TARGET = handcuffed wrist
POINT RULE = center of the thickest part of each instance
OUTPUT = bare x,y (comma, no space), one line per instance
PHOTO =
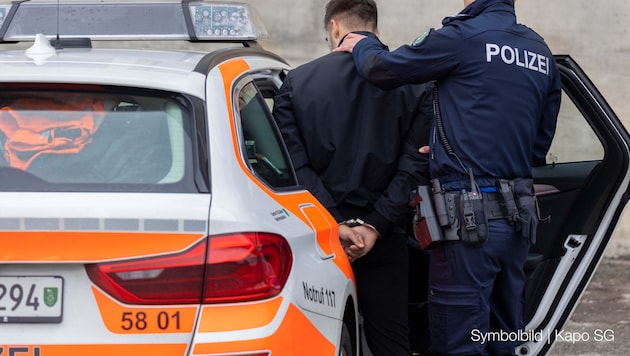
359,222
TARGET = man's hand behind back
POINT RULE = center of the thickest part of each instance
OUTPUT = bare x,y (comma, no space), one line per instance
357,241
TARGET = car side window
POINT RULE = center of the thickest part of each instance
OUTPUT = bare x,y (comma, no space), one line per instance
575,140
264,150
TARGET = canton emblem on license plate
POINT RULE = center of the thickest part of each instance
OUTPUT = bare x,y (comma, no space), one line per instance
50,296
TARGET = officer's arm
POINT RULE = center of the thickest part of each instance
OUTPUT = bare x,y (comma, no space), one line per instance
438,54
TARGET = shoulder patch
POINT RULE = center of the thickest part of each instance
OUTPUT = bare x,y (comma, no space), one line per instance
418,41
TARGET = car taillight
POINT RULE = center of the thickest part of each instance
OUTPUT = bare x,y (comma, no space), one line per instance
220,269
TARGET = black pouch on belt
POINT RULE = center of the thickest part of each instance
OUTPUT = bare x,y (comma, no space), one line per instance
525,197
473,221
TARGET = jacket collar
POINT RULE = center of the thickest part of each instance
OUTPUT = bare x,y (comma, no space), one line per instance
364,33
481,6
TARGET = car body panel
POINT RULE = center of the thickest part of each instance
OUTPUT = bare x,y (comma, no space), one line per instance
110,230
53,234
289,212
170,70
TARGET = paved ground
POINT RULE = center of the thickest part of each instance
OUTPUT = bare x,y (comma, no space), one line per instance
603,314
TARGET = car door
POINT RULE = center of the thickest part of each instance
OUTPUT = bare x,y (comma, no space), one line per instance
582,191
255,189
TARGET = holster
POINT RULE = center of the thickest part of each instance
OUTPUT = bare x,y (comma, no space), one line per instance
432,220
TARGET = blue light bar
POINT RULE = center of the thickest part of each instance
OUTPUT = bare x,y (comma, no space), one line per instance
130,20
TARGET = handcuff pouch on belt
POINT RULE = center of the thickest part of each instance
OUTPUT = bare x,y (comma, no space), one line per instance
522,210
463,216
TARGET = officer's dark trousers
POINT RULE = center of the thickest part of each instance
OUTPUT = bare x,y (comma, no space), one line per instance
477,294
381,277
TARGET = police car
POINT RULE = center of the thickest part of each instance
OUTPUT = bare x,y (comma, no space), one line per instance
148,204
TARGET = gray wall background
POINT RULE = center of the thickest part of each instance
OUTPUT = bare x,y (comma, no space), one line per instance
594,33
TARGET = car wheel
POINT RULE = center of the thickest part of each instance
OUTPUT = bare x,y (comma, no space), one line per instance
345,346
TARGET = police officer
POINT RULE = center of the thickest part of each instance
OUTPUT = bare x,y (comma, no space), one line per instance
354,146
496,105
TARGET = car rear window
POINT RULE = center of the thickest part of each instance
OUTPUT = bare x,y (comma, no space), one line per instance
88,138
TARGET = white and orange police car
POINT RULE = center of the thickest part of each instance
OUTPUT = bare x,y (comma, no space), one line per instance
148,205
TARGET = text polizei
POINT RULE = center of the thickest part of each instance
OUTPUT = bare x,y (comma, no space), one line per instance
518,57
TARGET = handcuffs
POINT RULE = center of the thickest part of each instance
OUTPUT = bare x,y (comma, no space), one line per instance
358,222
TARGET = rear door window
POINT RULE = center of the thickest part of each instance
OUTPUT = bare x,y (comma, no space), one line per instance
89,138
575,140
264,149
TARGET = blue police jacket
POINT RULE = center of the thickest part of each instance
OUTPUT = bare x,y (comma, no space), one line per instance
499,91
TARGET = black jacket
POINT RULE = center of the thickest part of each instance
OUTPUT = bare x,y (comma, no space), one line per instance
354,146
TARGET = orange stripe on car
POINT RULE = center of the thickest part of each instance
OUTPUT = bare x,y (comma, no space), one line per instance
121,319
321,225
232,70
295,333
95,350
64,246
215,318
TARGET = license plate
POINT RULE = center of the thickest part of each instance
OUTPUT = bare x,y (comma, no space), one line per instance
31,299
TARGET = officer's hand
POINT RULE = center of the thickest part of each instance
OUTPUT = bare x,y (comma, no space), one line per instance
349,42
424,149
369,237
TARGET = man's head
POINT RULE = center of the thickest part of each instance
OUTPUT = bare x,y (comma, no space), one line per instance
343,16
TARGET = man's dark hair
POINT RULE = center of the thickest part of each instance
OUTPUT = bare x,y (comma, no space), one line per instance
354,13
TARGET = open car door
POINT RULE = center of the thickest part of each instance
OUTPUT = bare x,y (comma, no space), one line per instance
583,190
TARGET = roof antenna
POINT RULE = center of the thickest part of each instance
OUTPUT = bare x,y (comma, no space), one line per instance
58,20
58,43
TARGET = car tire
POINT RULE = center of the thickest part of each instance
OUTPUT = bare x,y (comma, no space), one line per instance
345,346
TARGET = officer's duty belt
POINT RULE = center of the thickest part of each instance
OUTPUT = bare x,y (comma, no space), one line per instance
492,205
